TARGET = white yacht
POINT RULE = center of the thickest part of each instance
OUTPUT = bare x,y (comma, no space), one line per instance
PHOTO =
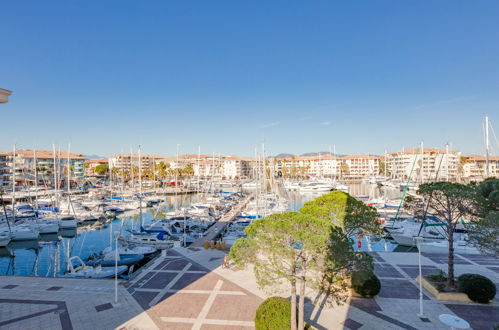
84,271
4,239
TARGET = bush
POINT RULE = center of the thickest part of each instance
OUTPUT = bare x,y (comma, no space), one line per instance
273,314
478,288
438,277
366,284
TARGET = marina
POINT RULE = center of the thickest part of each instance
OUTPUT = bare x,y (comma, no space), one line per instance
48,255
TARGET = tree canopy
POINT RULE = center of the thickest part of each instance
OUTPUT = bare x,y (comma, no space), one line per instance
451,203
344,211
301,250
484,233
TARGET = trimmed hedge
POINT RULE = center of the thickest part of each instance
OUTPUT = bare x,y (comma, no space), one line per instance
273,314
478,288
366,284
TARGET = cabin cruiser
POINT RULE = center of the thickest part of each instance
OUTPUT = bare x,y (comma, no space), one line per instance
406,232
461,246
68,222
4,238
150,239
131,249
107,257
84,271
21,232
315,186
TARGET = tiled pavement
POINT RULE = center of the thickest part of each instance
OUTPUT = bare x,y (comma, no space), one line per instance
178,293
186,289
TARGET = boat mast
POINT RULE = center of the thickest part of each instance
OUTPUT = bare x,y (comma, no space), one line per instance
140,184
199,167
68,168
36,179
14,184
447,162
422,163
386,162
487,146
55,180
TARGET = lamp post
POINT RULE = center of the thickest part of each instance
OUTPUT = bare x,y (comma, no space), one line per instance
419,242
116,256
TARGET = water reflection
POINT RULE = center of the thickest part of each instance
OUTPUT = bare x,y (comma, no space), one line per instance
48,256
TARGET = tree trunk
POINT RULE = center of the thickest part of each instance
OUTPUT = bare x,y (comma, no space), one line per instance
293,304
301,306
450,263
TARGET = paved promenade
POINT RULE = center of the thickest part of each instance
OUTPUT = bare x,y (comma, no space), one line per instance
187,289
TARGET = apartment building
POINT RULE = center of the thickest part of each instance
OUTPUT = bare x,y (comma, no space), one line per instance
4,170
317,166
31,164
431,164
474,167
125,162
360,166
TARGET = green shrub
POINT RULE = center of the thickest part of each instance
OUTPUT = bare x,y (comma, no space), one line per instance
478,288
366,284
273,314
438,277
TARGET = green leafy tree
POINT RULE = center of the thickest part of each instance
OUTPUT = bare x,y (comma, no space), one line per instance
101,169
382,167
484,233
450,202
300,250
345,211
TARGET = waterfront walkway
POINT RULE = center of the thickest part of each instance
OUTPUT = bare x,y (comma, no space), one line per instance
188,289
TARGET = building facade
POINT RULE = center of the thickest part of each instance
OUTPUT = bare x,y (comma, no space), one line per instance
474,167
423,166
38,167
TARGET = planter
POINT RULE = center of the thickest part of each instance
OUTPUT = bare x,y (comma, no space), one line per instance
447,296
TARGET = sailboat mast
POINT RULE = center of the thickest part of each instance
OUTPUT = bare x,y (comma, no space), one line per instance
68,168
422,163
14,184
447,162
487,146
55,179
199,167
36,178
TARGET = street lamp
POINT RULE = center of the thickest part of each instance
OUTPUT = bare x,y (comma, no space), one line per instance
4,95
419,241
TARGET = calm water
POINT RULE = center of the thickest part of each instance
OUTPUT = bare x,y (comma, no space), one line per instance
40,258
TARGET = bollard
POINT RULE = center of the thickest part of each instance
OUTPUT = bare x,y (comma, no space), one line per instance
206,244
224,245
218,245
212,244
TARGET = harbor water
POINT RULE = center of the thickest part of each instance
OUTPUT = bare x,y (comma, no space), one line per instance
48,256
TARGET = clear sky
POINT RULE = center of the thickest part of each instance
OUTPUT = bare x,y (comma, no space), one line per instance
303,75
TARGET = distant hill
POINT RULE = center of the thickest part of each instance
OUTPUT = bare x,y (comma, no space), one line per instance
94,157
282,155
322,153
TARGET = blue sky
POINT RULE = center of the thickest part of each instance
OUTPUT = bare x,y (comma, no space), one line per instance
302,75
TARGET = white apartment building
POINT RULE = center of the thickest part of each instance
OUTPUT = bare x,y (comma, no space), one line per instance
474,167
430,165
360,166
125,162
316,166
